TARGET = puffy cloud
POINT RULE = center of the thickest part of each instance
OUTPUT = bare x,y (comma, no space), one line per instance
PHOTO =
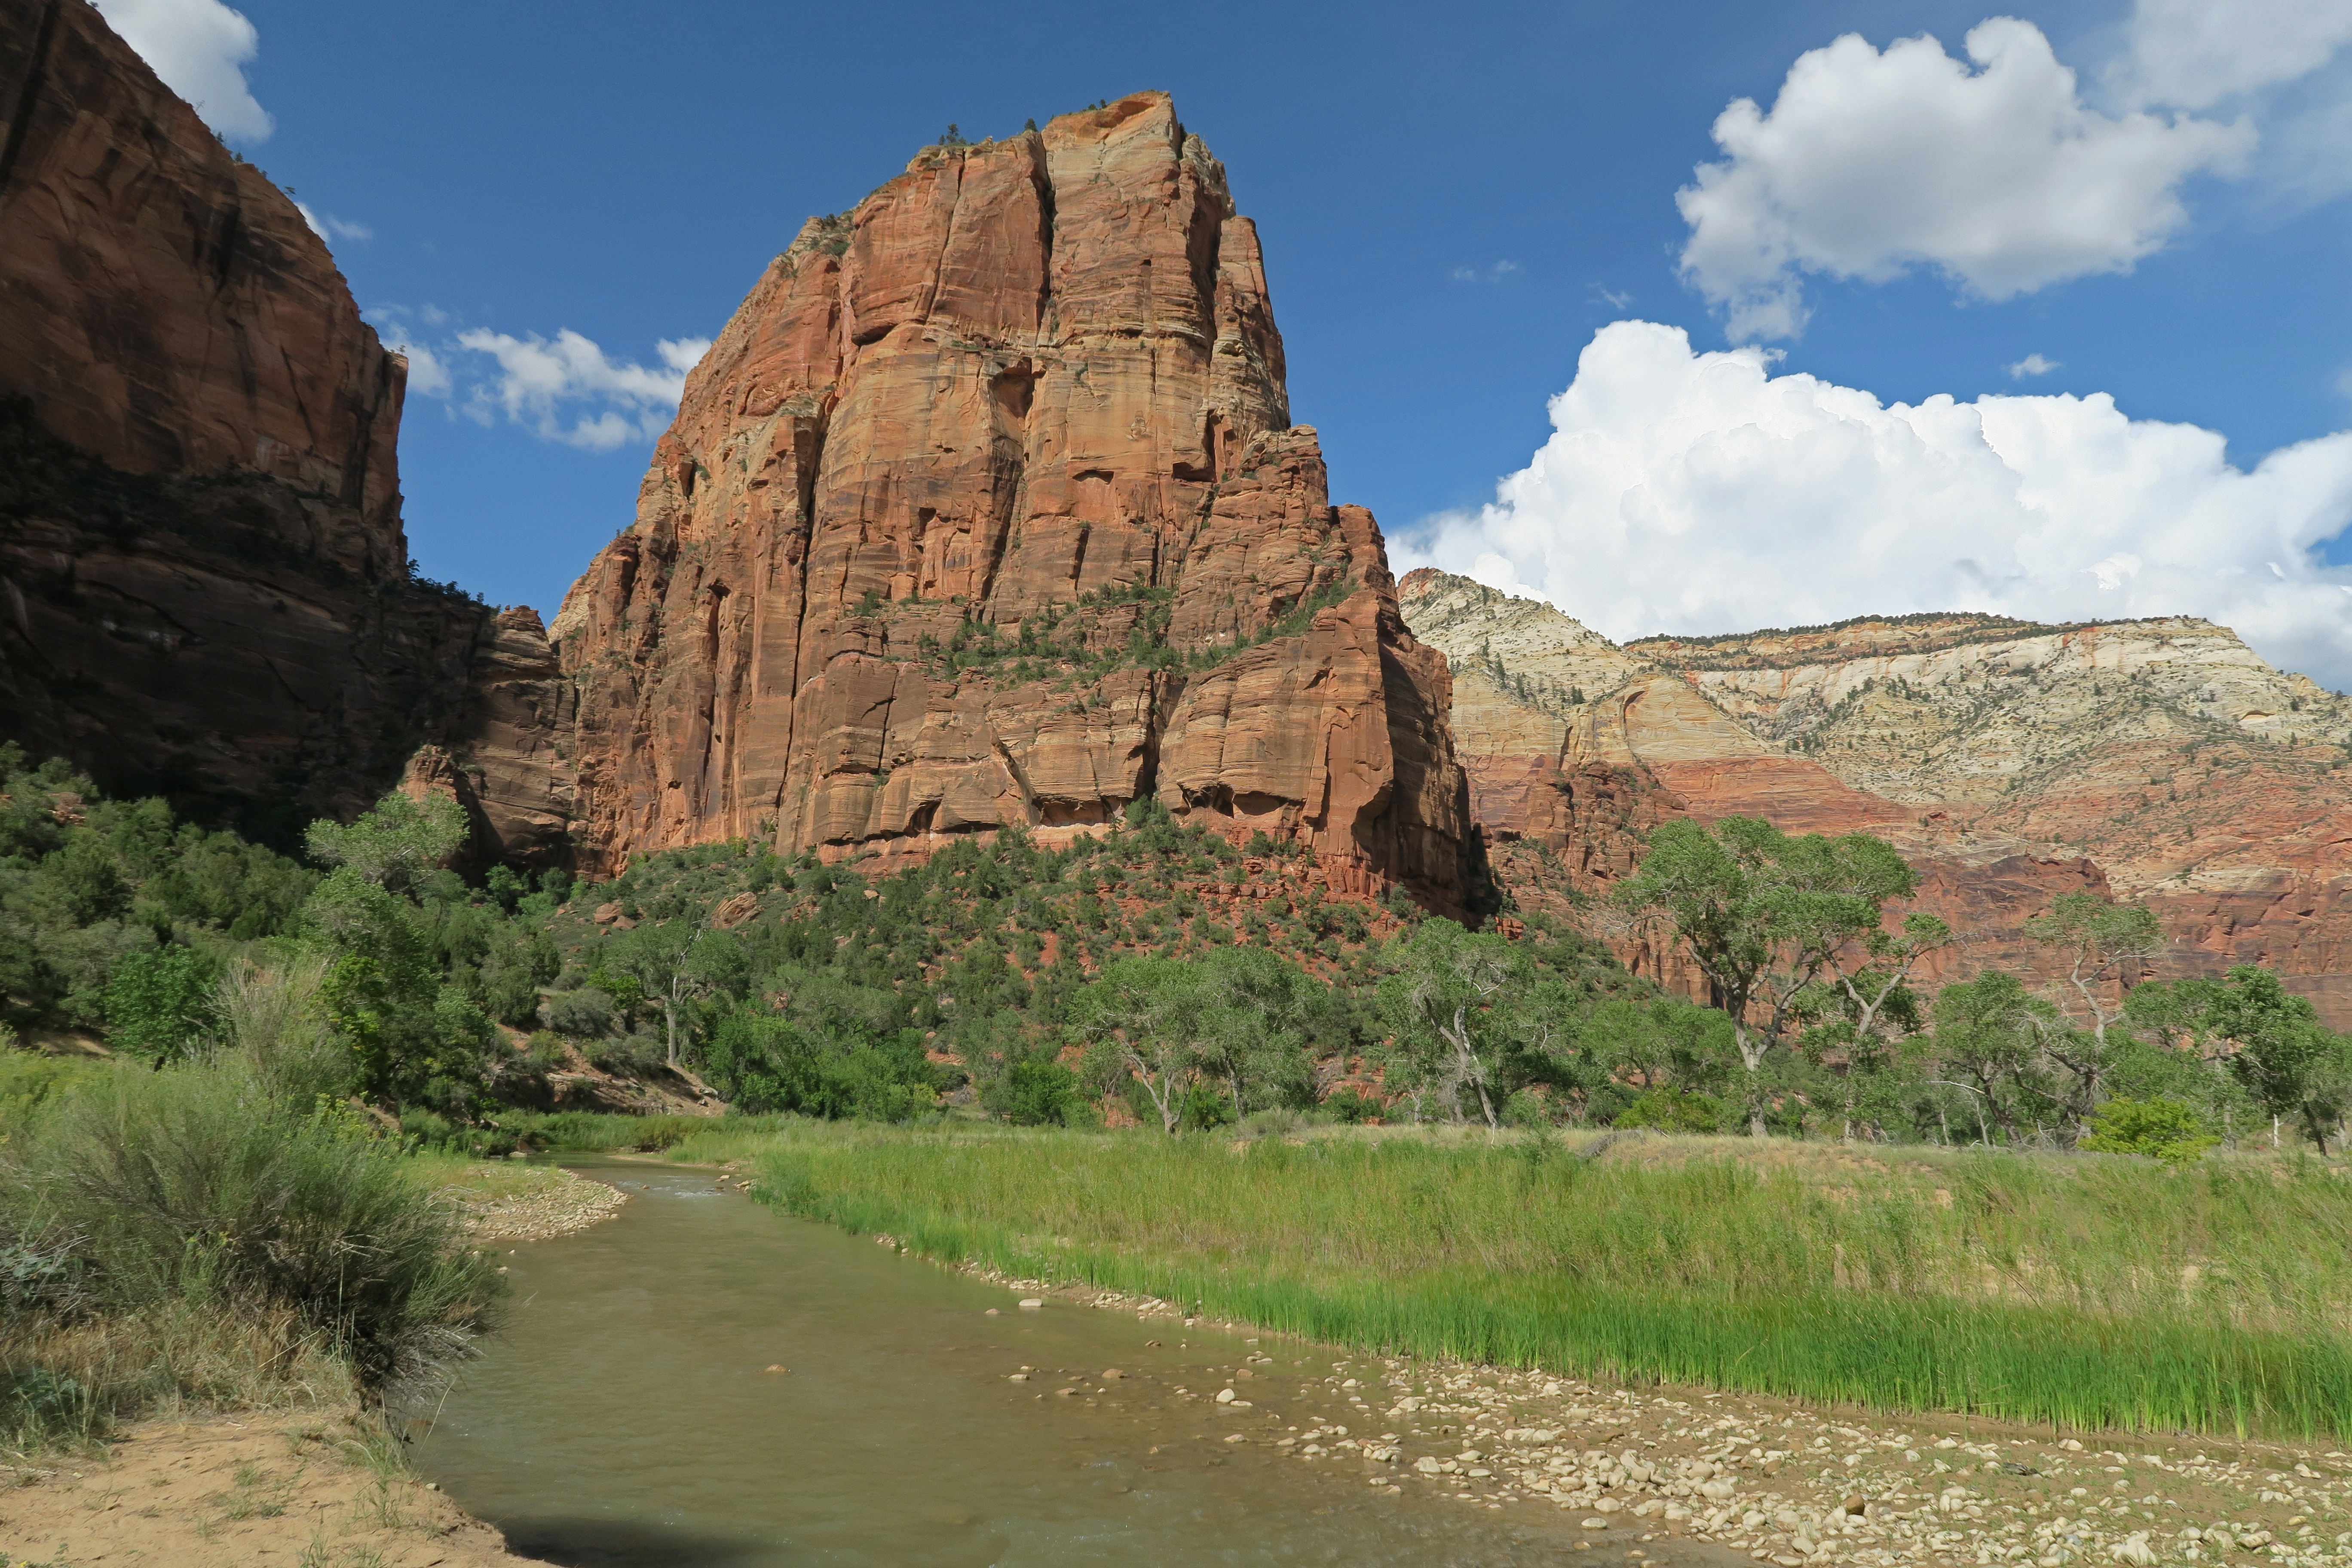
1875,163
2031,364
608,403
1870,164
199,48
1699,493
2002,176
563,389
2194,54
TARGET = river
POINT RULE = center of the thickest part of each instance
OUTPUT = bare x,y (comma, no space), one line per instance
627,1417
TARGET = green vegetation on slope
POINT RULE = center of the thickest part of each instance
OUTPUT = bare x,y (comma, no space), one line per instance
1151,971
2081,1292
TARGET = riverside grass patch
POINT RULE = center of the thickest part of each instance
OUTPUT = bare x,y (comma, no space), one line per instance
2079,1292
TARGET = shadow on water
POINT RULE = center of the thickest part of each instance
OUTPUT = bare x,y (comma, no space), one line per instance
610,1544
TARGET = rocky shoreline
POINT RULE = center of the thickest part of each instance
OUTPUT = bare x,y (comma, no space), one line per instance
1779,1482
532,1203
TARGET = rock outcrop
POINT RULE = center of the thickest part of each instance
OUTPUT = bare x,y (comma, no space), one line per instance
204,586
986,509
2201,780
2159,761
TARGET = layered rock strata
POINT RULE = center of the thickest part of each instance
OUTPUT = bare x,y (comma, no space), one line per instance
986,509
2201,780
1576,748
204,586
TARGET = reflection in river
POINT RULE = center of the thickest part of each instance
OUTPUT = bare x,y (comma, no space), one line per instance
626,1418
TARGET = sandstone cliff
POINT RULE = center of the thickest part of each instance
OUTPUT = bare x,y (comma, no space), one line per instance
204,586
2159,761
986,509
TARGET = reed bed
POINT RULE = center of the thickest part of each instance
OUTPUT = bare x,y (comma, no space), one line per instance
2084,1292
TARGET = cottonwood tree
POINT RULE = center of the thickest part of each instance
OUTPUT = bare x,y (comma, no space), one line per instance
2290,1062
1258,1011
673,962
1143,1017
1441,1002
1991,1041
393,842
1764,916
2104,943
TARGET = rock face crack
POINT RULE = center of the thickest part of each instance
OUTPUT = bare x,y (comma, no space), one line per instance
31,82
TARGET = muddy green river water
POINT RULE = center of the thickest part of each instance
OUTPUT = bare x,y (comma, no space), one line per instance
625,1418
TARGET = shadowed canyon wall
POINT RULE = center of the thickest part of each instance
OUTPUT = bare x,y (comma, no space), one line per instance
986,509
205,587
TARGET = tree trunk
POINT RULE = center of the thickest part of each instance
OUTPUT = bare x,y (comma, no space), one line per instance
1756,1128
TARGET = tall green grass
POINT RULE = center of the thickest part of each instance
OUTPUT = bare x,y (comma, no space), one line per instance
2094,1292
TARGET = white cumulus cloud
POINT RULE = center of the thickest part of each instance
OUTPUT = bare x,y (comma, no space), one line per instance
568,389
2194,54
2031,364
1993,172
1698,492
199,48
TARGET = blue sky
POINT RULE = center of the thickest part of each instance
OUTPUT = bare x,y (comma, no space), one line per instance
1454,201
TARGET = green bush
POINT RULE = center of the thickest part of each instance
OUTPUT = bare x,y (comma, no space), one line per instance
2166,1129
1034,1090
1206,1110
766,1064
590,1132
1352,1105
1673,1109
424,1130
1524,1109
161,1002
30,1082
197,1185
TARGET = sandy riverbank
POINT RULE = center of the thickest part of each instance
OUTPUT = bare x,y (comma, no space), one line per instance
301,1489
305,1488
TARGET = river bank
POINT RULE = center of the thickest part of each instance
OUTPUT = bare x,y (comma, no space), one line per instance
317,1483
1775,1480
314,1488
1772,1478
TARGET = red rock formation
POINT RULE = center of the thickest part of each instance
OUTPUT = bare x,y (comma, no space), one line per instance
204,579
986,509
165,306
